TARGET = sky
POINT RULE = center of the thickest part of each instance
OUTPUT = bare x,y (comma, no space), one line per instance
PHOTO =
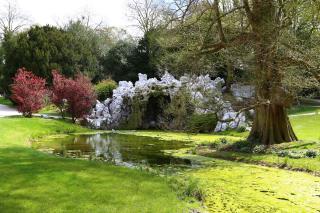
57,12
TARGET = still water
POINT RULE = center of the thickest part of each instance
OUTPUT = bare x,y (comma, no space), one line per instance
125,150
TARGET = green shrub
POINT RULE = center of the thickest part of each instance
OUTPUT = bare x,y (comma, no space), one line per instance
238,146
202,123
105,88
241,129
259,149
295,154
311,153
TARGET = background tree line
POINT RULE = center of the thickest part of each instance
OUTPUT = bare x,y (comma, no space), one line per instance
96,50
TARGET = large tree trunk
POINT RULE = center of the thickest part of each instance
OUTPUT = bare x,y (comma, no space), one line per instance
271,123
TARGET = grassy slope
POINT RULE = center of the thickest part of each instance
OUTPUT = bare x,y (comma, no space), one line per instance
307,127
34,182
303,110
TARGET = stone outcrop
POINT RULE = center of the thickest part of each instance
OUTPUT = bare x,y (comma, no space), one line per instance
204,93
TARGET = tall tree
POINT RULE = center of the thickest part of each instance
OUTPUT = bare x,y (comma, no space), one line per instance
147,13
261,27
11,19
43,48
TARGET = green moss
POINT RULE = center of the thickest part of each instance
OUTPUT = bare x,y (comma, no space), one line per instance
183,136
134,121
239,187
179,110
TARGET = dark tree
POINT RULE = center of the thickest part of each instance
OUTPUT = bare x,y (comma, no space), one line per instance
42,49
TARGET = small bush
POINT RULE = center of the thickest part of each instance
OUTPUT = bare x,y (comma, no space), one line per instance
291,154
295,155
311,153
202,123
28,92
241,129
241,146
282,153
104,89
223,141
258,149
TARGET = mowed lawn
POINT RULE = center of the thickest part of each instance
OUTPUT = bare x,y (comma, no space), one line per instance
31,181
307,127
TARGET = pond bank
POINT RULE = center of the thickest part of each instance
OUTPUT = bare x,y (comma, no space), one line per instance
35,182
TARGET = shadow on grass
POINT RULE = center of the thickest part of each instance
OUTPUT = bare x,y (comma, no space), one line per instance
32,181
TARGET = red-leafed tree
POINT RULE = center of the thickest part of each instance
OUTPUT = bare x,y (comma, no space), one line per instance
80,96
77,95
28,91
59,88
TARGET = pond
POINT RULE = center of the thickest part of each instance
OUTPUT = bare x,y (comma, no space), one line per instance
119,149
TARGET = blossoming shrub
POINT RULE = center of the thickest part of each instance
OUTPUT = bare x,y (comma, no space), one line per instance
28,92
77,95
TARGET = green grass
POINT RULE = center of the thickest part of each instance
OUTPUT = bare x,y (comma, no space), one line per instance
35,182
5,101
310,164
307,127
303,109
31,181
50,110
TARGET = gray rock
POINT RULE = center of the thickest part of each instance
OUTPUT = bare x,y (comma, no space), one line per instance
205,94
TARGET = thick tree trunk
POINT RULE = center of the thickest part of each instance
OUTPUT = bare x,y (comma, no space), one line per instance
271,125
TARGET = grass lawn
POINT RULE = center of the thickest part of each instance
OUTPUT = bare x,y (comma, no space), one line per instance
50,110
231,186
303,109
31,181
5,101
37,182
307,127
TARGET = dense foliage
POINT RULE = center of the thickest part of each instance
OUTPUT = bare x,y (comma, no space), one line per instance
202,123
105,88
126,59
59,90
28,91
42,49
76,96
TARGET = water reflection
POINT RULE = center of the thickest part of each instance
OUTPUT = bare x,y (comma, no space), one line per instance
118,149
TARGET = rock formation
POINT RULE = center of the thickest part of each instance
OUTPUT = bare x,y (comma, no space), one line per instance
203,93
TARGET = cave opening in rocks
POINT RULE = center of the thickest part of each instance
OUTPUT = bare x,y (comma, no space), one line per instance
154,111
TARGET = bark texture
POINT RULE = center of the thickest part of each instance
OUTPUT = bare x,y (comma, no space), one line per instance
271,123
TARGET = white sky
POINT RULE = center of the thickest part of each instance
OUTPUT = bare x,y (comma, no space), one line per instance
53,12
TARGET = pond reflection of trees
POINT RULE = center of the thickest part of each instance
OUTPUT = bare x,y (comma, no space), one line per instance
104,146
